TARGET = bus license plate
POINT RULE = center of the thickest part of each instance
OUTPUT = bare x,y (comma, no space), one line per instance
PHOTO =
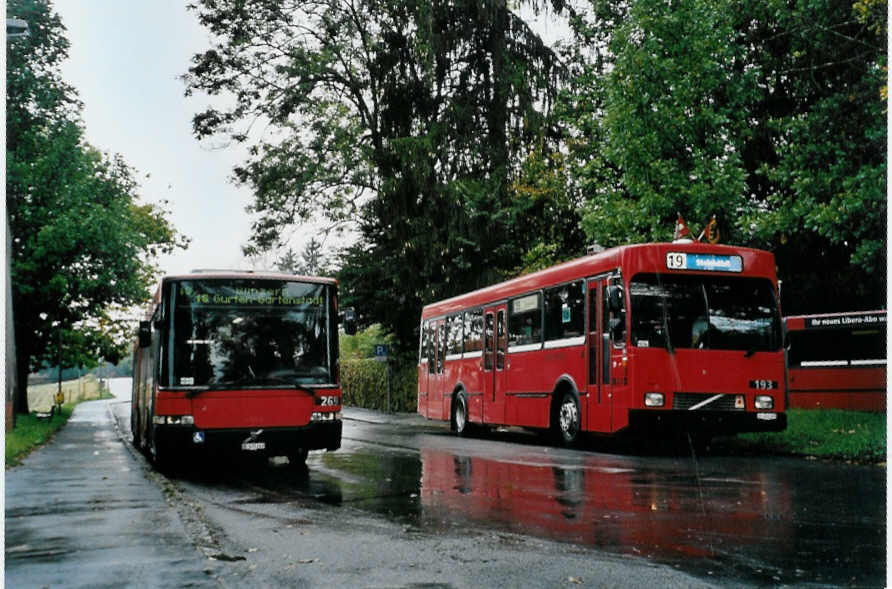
253,446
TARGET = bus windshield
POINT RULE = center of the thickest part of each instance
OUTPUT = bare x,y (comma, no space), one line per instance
249,333
704,312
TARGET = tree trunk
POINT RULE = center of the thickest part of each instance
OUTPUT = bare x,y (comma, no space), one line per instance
23,367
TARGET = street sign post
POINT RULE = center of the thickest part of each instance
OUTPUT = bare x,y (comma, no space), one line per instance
381,356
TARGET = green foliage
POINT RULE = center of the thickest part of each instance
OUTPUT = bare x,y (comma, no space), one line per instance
362,345
311,262
827,433
83,247
31,432
364,384
408,120
769,114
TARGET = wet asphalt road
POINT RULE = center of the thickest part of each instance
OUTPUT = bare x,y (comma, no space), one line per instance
405,504
81,512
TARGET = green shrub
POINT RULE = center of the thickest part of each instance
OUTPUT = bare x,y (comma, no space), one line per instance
364,384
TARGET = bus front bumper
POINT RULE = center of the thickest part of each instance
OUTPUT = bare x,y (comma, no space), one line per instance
660,422
280,441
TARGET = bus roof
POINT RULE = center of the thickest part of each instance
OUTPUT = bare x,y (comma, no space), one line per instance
247,274
649,257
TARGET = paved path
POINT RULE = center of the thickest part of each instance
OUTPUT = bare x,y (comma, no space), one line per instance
82,512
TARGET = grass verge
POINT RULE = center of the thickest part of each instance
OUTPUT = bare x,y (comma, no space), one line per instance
851,436
31,432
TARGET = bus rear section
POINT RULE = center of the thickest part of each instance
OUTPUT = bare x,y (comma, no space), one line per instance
239,363
838,361
653,338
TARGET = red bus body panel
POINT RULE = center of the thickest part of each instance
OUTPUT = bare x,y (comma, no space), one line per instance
852,386
240,409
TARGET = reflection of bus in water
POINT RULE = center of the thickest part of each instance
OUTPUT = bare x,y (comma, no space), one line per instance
608,503
667,336
240,361
838,361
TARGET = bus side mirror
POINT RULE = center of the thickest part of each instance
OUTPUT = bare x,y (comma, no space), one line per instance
615,298
349,320
145,334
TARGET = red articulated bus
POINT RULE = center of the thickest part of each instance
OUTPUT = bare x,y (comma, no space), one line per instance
838,361
654,338
238,361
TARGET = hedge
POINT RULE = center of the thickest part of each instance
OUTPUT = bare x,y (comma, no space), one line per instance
364,384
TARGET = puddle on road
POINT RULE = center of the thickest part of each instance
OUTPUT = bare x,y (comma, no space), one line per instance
746,526
735,520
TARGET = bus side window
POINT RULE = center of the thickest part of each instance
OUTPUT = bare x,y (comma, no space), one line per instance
431,349
474,331
488,342
615,301
525,320
565,311
501,340
455,338
441,346
422,348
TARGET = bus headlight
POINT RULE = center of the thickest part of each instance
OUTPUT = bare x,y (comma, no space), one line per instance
764,402
654,400
173,420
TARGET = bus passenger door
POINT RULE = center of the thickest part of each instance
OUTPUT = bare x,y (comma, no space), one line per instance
495,363
598,358
438,379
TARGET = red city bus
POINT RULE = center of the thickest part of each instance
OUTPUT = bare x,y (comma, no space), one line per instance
653,338
238,361
838,361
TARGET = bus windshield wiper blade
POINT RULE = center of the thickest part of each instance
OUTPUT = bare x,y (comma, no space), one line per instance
197,391
304,389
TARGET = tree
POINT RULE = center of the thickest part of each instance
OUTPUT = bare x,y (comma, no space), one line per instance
83,247
769,114
409,119
312,260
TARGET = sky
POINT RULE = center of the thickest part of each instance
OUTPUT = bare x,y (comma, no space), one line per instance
125,61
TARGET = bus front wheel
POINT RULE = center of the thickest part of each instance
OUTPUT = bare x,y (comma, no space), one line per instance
567,421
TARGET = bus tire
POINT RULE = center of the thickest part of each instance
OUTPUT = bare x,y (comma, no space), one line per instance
459,420
159,453
567,423
134,432
298,458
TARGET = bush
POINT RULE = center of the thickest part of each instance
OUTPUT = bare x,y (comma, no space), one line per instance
364,384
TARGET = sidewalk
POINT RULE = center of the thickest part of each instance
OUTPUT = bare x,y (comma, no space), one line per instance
81,512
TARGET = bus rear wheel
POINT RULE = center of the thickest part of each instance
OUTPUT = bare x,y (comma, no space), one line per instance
567,421
460,414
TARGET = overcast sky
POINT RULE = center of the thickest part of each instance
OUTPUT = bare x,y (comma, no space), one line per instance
125,61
